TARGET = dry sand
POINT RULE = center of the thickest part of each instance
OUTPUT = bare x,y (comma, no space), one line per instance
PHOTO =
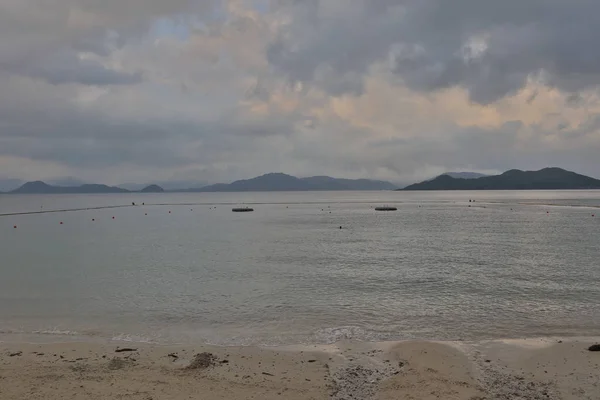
530,369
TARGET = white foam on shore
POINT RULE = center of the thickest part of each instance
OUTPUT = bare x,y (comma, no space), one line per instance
130,338
56,331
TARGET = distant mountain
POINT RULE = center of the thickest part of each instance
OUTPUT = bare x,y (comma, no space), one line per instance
465,175
284,182
263,183
152,189
39,187
547,178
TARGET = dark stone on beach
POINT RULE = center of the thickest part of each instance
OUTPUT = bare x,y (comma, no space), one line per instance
268,374
487,361
124,349
16,354
224,361
594,347
311,361
202,361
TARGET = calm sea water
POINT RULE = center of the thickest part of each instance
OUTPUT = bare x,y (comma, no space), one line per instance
513,264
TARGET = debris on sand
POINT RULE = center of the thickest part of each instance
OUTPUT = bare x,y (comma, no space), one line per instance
358,382
121,350
594,347
16,354
202,361
505,386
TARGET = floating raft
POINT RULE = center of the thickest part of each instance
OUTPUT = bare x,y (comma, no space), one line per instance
385,208
242,209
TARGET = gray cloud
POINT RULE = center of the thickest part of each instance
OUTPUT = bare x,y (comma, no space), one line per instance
490,48
218,90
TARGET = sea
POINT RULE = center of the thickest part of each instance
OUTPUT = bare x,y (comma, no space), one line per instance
303,268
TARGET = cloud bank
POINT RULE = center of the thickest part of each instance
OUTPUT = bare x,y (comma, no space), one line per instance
217,90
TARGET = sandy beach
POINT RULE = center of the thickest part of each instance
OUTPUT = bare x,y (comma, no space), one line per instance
550,368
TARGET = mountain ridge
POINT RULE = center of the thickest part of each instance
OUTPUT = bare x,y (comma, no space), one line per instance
278,181
268,182
550,178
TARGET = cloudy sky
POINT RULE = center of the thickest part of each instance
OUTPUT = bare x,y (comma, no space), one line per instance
118,91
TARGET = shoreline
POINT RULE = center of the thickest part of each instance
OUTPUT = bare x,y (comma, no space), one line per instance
536,368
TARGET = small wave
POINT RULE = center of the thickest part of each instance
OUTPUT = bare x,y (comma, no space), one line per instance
131,338
55,331
333,335
51,331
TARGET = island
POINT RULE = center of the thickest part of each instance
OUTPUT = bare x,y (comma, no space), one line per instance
545,179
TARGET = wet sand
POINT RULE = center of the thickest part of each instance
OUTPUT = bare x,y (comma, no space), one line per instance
550,368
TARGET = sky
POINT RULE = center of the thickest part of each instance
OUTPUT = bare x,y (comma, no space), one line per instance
115,91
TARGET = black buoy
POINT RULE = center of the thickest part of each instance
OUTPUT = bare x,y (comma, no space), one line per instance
133,203
340,227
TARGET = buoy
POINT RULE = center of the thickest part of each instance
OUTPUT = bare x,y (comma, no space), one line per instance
61,222
169,212
93,219
113,218
386,208
145,213
15,227
340,227
191,209
547,212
